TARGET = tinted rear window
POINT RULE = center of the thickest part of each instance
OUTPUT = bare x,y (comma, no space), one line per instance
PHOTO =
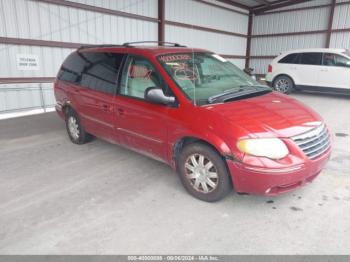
95,70
311,58
71,69
101,71
290,59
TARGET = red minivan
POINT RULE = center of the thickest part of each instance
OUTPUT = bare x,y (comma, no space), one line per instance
197,112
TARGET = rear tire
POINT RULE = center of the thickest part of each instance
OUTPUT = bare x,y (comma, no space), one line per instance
283,84
203,172
75,130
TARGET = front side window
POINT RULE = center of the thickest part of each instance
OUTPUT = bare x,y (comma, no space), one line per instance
204,77
311,59
138,75
330,59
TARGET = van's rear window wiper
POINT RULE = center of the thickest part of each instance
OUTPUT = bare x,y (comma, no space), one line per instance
238,92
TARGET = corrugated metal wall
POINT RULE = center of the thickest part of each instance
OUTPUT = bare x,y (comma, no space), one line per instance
15,97
287,22
31,19
43,21
341,20
192,12
37,20
306,4
297,21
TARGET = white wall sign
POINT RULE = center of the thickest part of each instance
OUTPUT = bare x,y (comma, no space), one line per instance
27,62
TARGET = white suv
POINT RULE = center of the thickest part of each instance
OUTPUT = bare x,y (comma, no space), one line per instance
321,70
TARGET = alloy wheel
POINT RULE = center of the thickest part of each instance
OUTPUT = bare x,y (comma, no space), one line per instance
282,85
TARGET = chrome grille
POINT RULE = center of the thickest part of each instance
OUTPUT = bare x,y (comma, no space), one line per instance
315,142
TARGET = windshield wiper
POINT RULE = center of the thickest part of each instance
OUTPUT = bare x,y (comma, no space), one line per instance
256,86
243,90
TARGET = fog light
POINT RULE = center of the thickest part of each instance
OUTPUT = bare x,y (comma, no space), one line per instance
268,190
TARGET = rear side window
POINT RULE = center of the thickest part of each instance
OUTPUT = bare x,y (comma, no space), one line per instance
71,69
311,58
290,59
95,70
101,71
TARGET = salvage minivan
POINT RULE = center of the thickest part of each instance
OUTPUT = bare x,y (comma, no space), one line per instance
196,111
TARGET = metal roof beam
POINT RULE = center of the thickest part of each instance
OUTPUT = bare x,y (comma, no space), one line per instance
228,2
263,2
277,4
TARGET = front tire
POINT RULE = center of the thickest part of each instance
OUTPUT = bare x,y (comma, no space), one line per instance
75,130
203,172
283,84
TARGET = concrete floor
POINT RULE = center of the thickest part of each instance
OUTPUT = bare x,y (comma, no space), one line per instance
60,198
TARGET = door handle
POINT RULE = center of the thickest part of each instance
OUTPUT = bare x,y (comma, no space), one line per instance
106,108
121,111
75,90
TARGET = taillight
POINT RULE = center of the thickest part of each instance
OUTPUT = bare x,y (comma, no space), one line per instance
269,69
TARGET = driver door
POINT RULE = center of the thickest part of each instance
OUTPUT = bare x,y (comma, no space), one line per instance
141,125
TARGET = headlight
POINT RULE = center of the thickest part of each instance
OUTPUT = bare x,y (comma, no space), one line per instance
267,147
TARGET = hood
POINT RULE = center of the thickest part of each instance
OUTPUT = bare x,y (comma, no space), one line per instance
269,115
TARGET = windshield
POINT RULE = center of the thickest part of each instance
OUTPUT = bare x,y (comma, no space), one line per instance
202,76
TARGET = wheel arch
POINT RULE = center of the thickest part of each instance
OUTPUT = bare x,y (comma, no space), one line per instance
187,140
222,150
67,106
283,74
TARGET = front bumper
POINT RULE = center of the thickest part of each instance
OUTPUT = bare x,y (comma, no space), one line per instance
265,181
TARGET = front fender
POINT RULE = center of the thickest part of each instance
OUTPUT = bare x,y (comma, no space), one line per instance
218,144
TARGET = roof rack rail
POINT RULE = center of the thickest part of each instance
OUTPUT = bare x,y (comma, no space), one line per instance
130,44
97,46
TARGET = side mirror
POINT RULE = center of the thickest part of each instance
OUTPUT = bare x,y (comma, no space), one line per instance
156,95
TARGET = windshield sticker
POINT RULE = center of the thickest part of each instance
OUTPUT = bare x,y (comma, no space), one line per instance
137,71
220,58
184,72
171,58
